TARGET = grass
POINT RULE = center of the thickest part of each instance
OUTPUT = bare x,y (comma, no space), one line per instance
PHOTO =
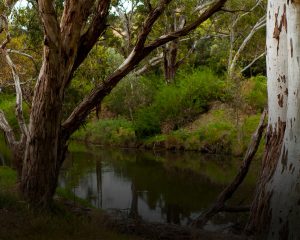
112,132
17,222
214,132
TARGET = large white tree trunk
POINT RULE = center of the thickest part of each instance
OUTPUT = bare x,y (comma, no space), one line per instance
277,204
285,184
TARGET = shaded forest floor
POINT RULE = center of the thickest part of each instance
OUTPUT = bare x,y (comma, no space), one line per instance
68,221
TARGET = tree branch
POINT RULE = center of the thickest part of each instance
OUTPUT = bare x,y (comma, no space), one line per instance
183,59
187,29
90,37
139,52
75,15
9,134
254,61
19,98
25,55
227,193
151,63
4,24
50,23
260,24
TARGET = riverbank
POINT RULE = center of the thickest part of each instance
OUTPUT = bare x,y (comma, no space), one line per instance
214,132
73,221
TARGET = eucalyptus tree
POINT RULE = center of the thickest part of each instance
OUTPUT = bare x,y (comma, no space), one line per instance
275,211
68,37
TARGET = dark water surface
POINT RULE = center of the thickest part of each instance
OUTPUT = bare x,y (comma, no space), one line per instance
155,186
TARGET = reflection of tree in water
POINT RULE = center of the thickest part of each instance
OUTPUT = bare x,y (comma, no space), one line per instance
176,193
99,182
134,207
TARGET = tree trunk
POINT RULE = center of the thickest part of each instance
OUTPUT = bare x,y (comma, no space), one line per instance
275,211
43,156
68,39
170,60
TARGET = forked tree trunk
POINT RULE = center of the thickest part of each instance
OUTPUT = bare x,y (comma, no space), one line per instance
275,211
65,48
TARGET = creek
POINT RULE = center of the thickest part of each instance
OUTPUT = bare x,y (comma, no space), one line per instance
168,187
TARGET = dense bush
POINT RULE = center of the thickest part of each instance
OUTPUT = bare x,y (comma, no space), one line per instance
132,94
177,104
114,132
255,92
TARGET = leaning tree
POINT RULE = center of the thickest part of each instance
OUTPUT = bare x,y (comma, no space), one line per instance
276,208
68,38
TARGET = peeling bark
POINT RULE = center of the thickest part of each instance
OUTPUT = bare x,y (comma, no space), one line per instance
275,210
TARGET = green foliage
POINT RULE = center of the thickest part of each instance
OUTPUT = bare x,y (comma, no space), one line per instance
132,94
7,105
255,92
8,178
175,105
100,62
116,132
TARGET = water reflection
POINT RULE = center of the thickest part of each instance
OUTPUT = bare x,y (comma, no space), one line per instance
163,187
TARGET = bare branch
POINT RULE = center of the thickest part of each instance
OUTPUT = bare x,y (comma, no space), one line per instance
25,55
187,29
254,61
151,63
19,101
260,24
9,134
19,98
204,6
189,53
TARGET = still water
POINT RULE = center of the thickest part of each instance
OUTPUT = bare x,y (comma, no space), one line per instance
155,186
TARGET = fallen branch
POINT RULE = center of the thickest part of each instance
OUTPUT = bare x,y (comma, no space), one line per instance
227,193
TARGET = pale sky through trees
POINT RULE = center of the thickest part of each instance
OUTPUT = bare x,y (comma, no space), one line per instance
126,4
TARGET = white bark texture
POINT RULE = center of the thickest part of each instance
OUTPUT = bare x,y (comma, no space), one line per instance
277,65
283,56
285,183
